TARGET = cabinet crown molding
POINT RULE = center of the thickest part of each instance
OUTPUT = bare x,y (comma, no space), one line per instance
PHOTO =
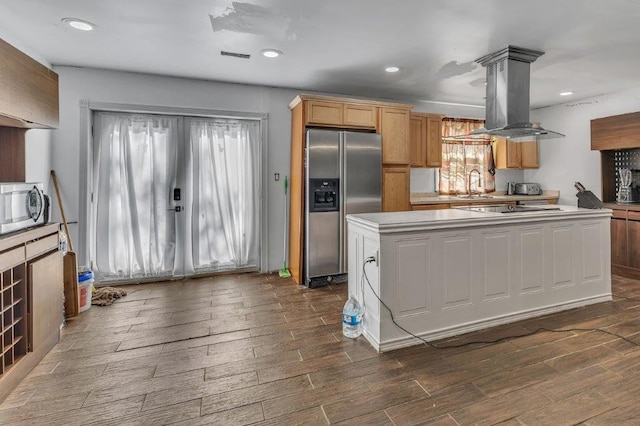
309,97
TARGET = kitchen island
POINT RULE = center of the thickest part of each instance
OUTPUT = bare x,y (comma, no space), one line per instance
448,272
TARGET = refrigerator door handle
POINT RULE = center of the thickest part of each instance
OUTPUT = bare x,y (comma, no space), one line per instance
342,200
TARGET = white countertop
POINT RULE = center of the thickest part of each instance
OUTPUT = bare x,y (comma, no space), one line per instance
458,218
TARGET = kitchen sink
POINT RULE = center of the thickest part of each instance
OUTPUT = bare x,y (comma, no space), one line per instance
509,209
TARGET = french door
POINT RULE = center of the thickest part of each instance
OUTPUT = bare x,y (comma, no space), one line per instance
173,196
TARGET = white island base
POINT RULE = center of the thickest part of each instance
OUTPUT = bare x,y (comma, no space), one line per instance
448,272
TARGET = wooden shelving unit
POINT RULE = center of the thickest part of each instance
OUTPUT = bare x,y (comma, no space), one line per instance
31,291
13,309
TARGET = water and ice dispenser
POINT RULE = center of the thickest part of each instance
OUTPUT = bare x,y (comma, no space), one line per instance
324,195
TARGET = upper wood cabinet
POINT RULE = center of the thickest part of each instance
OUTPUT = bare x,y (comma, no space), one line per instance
327,113
340,114
28,91
515,155
616,132
360,115
394,128
395,189
425,140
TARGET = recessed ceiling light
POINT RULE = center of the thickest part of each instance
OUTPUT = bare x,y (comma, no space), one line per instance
567,93
79,24
392,69
271,53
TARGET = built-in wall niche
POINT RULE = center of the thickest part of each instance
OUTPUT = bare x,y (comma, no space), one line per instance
12,154
614,177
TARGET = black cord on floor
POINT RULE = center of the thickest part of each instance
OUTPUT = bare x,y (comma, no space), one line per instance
498,340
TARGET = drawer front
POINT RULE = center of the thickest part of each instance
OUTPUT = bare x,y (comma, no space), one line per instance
632,215
11,258
619,214
41,246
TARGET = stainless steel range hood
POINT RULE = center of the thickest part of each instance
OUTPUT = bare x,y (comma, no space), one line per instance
507,102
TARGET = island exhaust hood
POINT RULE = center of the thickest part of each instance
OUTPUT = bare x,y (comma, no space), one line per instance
507,101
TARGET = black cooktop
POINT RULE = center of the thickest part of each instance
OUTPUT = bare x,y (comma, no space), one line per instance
509,209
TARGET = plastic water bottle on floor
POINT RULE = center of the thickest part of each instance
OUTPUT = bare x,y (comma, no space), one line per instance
352,314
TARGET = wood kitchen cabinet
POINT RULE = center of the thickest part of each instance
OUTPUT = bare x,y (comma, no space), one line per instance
47,292
394,128
390,120
31,299
340,114
356,115
29,91
28,99
625,240
430,206
395,189
619,241
515,155
616,132
425,140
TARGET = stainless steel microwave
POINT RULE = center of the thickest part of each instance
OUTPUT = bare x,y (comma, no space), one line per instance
22,205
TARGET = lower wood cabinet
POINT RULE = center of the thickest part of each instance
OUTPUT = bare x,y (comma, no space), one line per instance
429,206
31,298
47,303
619,242
625,241
14,330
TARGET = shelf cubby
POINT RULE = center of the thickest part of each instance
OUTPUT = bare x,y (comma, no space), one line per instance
13,314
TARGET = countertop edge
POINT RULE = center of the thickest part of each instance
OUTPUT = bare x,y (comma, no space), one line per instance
413,221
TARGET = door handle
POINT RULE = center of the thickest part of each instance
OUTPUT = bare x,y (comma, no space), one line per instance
176,209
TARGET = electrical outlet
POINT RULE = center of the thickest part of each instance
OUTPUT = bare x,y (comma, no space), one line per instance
373,256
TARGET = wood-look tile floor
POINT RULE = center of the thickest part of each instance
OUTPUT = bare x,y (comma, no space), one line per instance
258,349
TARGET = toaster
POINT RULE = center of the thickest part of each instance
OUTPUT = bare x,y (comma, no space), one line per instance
527,189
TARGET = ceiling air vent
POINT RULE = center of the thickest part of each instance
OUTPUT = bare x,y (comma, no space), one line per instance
235,55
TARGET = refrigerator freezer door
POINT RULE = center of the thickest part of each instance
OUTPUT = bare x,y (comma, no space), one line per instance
361,179
322,228
322,154
322,245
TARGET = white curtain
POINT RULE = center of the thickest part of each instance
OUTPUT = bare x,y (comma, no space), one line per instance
225,191
135,160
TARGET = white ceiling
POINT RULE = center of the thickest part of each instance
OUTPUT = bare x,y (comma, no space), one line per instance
342,46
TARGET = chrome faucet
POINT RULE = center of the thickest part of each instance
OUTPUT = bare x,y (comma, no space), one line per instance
469,181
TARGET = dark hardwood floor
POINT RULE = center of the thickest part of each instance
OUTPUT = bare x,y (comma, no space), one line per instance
258,349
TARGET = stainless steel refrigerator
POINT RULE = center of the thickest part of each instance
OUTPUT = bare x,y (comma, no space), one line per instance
343,175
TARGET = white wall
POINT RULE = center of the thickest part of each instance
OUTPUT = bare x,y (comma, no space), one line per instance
140,89
570,159
38,157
